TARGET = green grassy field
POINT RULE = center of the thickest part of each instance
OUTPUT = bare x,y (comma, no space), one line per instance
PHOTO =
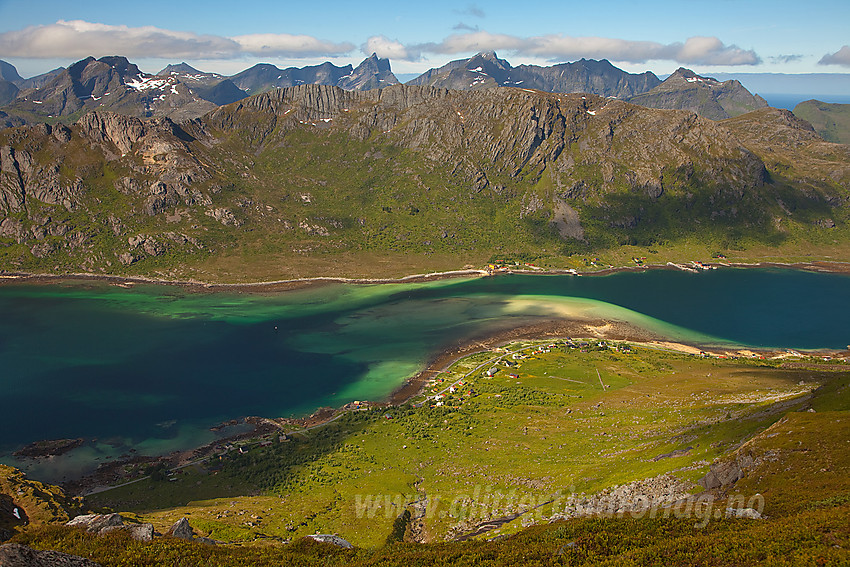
551,431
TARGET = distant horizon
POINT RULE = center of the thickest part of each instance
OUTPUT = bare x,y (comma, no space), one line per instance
707,36
824,86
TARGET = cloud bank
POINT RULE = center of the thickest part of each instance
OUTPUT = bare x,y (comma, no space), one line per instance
78,38
695,50
840,57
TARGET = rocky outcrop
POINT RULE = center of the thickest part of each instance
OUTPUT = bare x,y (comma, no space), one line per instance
122,131
17,555
635,496
724,474
22,178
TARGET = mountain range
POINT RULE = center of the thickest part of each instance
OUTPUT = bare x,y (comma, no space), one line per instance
486,70
182,92
315,174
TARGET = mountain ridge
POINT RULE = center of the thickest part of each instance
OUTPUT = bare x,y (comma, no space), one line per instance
524,171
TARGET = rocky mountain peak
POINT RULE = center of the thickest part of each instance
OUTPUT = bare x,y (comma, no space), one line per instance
706,96
372,73
182,68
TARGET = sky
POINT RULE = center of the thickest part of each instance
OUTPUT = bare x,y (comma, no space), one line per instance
747,36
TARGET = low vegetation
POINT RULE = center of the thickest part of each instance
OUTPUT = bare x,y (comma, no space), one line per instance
565,418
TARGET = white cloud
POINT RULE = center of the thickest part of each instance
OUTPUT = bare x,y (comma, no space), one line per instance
78,38
840,57
476,41
282,44
695,50
387,48
712,51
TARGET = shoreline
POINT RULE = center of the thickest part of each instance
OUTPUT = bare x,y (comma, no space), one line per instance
822,266
554,329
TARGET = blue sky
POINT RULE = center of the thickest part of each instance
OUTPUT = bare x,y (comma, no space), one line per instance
705,35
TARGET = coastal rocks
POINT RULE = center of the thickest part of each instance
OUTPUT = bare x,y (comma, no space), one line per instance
147,243
102,524
16,555
161,197
333,539
49,448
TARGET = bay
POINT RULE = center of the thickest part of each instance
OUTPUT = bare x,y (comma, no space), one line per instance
152,368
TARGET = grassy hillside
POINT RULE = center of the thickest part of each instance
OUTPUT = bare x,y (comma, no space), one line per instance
554,429
832,121
357,475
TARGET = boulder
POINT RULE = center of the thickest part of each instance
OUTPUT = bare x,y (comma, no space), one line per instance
332,539
746,513
181,530
96,523
102,524
721,474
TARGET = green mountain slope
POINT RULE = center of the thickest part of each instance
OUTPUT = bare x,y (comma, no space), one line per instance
314,180
832,121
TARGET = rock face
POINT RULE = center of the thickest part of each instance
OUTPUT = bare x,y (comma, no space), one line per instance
16,555
486,70
685,90
8,92
102,524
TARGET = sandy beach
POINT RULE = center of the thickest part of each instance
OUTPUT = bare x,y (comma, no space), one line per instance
291,284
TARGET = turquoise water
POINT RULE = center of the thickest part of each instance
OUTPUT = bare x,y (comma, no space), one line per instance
153,367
